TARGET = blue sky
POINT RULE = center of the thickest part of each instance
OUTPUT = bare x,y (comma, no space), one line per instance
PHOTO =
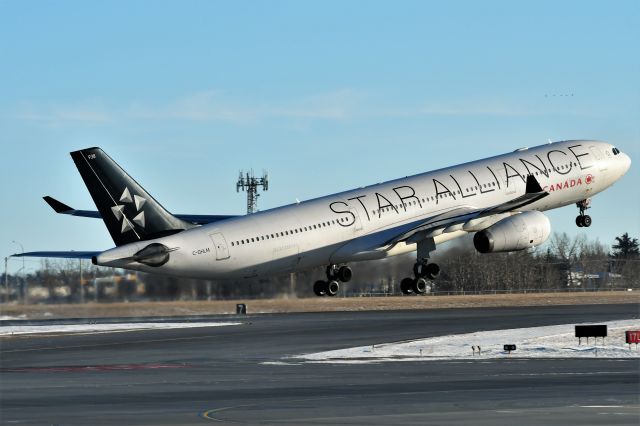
326,96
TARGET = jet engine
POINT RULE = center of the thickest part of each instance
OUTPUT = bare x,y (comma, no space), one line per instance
517,232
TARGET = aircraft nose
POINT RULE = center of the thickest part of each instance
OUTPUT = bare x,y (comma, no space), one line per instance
625,163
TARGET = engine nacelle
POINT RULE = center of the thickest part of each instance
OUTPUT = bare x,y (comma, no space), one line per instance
517,232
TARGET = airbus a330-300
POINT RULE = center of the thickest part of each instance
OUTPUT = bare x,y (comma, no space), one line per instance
499,199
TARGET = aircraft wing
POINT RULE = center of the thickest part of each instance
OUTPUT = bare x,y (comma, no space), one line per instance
62,208
59,254
467,218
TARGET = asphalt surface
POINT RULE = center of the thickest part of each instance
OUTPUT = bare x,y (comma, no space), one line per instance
244,374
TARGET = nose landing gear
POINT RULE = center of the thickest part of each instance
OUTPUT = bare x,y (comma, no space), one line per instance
583,220
335,275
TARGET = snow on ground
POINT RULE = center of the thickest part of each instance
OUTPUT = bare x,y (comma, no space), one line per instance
103,328
555,341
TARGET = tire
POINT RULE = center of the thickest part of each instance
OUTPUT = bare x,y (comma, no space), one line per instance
320,288
420,286
432,271
345,274
579,221
332,288
586,221
406,286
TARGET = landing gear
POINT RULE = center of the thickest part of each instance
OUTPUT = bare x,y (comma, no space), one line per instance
320,288
422,270
426,270
583,220
419,284
335,275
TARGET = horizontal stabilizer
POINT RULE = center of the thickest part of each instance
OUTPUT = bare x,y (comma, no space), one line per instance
62,208
56,205
60,254
196,219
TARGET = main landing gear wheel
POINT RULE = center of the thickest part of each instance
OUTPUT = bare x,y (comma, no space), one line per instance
344,274
406,286
420,286
320,288
332,288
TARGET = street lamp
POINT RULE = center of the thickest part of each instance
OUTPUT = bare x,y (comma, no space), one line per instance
24,289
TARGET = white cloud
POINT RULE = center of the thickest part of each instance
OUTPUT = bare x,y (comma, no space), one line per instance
89,112
215,105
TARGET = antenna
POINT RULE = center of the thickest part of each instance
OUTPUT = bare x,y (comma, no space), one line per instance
248,182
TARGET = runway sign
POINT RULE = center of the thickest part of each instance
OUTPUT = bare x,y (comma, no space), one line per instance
633,336
509,348
591,331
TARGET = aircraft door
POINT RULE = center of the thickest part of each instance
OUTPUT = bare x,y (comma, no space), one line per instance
220,244
602,162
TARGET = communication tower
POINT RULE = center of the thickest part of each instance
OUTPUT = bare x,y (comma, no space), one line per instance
248,182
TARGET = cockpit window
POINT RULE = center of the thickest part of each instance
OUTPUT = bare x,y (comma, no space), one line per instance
616,151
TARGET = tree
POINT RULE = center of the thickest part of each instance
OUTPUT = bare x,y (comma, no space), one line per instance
626,247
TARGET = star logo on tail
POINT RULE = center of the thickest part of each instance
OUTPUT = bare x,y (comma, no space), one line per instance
118,210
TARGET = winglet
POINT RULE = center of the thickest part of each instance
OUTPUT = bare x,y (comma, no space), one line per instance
533,187
58,206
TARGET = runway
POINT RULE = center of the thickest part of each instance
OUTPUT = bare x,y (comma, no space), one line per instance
243,374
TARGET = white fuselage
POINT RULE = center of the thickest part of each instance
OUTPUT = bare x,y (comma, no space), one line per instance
360,224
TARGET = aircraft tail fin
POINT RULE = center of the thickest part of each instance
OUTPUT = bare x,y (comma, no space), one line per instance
129,212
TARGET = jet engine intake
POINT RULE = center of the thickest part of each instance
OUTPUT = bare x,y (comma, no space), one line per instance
518,232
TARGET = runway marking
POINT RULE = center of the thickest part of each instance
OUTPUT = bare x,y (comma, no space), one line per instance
207,414
601,406
49,348
589,373
91,368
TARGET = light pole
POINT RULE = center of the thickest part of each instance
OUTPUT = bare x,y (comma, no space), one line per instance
6,280
25,295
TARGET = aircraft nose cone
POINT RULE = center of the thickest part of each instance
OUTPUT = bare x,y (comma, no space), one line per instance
625,163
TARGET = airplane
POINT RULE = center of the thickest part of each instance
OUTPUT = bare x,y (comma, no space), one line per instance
500,199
